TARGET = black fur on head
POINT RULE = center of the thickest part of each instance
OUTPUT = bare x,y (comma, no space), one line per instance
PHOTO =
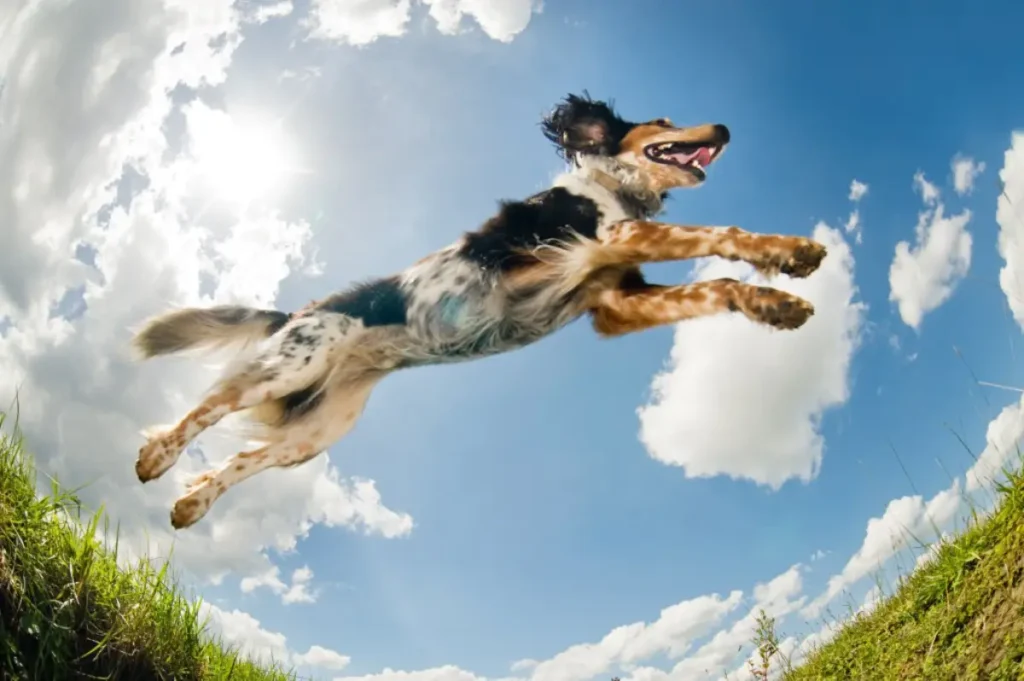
581,125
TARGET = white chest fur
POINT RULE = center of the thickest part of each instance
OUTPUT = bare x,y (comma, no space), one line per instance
580,182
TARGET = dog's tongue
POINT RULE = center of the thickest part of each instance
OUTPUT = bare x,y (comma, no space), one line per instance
701,156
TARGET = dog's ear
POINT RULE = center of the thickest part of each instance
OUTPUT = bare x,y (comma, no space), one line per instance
581,125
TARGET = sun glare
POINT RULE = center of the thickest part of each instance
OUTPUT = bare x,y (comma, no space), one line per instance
240,162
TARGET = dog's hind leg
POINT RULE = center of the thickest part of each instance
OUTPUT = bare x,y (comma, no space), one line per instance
296,357
638,241
208,487
299,442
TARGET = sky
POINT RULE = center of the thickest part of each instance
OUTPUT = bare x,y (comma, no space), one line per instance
582,507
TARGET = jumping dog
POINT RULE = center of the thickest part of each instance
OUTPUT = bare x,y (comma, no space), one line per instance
574,249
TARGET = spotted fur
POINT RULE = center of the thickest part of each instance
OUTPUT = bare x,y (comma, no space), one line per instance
538,264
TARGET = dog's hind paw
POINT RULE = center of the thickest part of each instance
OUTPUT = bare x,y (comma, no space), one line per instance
197,500
158,454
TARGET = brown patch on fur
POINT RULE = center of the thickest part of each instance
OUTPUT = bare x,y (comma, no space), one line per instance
256,455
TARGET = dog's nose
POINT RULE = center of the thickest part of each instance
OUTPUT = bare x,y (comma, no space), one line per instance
723,133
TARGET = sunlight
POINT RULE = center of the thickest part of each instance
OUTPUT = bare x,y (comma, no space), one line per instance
239,161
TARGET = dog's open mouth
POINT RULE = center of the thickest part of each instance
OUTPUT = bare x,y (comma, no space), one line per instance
694,157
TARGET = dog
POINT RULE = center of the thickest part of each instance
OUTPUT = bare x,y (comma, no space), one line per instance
572,250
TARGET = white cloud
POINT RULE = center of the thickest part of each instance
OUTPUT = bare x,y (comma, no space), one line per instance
671,634
746,401
1010,216
500,20
445,673
929,192
625,646
923,276
628,646
858,190
79,105
261,13
322,658
905,520
788,649
871,600
813,641
523,665
930,552
777,598
362,22
297,592
853,226
358,23
242,631
965,171
245,633
1002,447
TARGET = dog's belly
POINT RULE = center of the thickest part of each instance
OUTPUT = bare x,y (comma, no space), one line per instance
466,326
457,311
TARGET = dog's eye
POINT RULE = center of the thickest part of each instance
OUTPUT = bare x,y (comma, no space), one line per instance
663,122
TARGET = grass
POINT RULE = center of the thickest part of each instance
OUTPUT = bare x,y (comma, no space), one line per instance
67,611
960,616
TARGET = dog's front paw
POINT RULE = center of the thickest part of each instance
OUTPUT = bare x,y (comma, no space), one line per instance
794,256
779,309
804,259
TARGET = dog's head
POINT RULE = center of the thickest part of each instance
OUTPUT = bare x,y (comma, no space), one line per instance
665,156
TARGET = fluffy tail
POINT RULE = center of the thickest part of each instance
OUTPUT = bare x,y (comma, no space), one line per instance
193,328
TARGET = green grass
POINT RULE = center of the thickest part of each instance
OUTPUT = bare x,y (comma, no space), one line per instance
960,616
67,611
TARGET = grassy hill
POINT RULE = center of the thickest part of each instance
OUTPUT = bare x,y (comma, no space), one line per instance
960,616
68,612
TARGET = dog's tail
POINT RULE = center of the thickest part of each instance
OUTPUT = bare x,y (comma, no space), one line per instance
205,328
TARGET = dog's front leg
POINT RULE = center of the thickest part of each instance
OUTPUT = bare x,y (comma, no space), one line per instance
639,241
618,311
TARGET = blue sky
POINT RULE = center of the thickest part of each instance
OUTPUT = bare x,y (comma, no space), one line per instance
540,519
